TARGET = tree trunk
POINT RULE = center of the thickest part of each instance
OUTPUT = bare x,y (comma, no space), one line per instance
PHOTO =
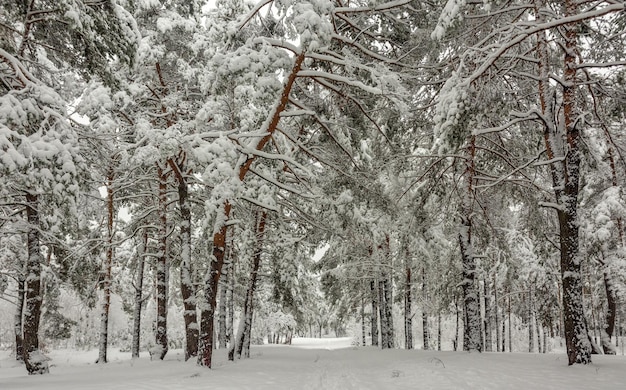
141,260
106,273
565,171
531,331
205,352
374,319
456,324
510,338
425,332
408,321
611,311
17,319
497,314
363,340
187,290
438,331
472,336
161,342
487,298
243,338
34,359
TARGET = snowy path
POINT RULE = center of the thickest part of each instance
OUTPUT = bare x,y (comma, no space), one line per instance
320,364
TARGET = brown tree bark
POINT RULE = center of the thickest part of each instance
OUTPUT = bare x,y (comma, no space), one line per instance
205,348
565,170
17,319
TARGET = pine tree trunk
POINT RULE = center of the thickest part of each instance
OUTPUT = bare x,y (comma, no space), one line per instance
408,321
205,348
611,311
456,324
497,313
471,332
33,358
531,329
243,338
382,311
425,333
374,319
363,340
510,338
565,172
106,273
231,298
161,342
17,319
438,331
487,298
187,290
141,260
221,321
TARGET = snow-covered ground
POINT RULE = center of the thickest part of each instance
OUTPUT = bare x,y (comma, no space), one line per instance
320,364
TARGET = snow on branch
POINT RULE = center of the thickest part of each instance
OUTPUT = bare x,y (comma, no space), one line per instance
340,79
379,8
556,206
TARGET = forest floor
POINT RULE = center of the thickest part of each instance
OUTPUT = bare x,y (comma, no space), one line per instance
319,364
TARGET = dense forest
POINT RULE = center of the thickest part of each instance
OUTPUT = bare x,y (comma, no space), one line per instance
223,173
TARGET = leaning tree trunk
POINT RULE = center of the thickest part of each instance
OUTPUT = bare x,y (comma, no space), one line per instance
611,312
242,344
565,170
138,300
161,342
471,334
34,359
106,273
205,346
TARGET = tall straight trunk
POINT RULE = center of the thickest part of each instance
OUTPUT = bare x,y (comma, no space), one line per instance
187,290
382,311
106,272
205,346
510,338
488,316
242,344
497,313
540,329
425,332
472,334
439,331
221,320
374,319
138,301
408,320
17,319
33,358
565,171
363,340
230,295
531,323
456,324
388,294
611,312
161,342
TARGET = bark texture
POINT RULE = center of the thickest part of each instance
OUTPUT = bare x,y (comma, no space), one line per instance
35,362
